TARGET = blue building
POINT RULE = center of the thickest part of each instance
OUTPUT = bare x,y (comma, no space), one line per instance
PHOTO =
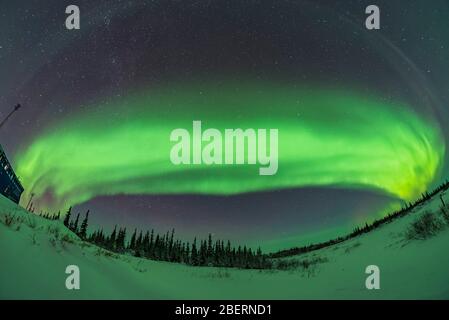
10,185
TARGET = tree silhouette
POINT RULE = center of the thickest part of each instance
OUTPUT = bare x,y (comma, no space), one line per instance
67,217
83,228
74,225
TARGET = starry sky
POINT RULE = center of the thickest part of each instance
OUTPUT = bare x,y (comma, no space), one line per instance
362,115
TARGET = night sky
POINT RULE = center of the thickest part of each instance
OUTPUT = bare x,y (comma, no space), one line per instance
362,115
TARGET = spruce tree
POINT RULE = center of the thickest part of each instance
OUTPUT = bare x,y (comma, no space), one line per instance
111,241
239,257
157,249
139,241
67,217
132,243
101,237
146,243
75,224
120,241
187,254
151,245
228,258
170,244
203,253
194,254
259,258
83,228
209,252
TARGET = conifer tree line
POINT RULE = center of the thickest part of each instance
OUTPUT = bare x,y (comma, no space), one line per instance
213,253
80,230
50,216
165,247
367,227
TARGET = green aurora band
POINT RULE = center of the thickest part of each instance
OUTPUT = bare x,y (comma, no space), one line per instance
327,137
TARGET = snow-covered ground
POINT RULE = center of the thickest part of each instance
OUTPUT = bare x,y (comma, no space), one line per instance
34,253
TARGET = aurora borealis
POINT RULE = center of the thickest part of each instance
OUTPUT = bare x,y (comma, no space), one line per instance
326,138
362,115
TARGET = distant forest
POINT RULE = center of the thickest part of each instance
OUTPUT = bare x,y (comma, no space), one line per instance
165,247
367,227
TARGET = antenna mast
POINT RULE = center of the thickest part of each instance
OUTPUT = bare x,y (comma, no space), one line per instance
17,107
